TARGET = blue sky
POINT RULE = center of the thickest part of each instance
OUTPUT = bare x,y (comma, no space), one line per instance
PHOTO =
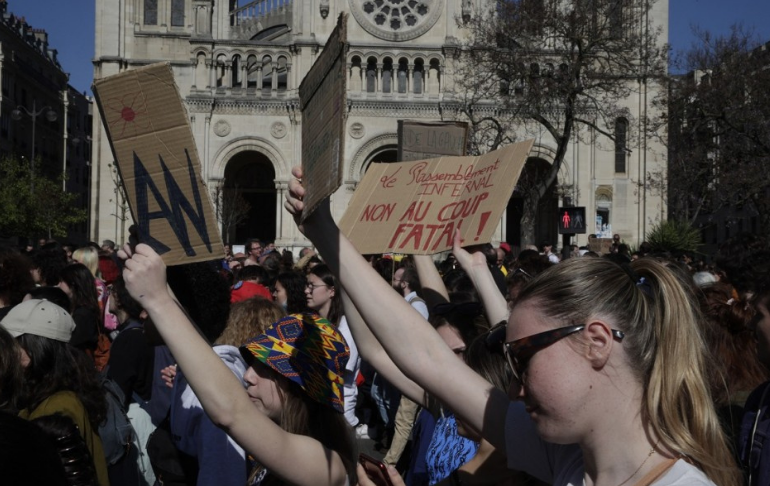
70,25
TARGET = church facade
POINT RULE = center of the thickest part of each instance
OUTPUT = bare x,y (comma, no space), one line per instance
239,67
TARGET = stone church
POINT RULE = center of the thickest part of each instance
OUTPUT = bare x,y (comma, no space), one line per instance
239,64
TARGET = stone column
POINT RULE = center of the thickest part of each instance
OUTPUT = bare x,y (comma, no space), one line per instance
212,65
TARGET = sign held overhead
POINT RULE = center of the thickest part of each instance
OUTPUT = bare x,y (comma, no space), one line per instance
158,162
419,140
322,96
415,207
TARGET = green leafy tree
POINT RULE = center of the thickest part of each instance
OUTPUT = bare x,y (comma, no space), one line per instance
32,205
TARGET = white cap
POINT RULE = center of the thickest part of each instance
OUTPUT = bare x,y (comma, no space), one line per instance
40,318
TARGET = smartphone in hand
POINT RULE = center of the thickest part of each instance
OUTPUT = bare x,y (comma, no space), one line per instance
375,470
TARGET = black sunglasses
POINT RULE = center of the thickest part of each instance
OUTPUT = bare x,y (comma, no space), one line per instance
519,352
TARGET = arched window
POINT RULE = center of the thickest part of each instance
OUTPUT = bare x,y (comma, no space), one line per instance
387,74
236,72
355,74
251,71
221,71
150,12
615,16
283,73
403,72
267,73
434,78
371,75
621,137
417,76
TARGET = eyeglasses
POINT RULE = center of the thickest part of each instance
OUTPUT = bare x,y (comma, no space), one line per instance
256,248
312,287
519,352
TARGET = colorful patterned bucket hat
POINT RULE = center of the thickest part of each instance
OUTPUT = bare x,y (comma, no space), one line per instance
308,350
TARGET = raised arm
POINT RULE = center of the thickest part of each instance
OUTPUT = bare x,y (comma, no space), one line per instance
371,350
221,394
409,340
475,265
433,289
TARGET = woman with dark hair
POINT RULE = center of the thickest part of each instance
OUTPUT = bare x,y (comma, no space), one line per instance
78,283
289,292
290,417
323,297
58,378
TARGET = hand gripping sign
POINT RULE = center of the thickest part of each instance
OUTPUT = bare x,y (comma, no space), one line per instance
415,207
156,156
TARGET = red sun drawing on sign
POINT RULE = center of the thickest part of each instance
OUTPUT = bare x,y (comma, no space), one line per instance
128,112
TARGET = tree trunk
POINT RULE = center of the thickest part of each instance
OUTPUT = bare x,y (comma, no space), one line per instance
528,220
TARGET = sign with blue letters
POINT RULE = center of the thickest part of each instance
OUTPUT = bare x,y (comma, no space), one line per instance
158,163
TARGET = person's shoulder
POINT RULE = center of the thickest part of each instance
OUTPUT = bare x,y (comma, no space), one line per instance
65,402
684,473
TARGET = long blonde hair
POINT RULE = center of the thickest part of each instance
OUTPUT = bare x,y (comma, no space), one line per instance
664,343
89,257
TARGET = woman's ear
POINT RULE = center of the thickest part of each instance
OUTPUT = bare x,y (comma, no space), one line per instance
599,341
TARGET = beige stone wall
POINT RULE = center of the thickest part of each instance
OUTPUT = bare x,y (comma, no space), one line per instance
228,120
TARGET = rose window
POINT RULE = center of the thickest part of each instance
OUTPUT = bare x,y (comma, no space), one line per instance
396,20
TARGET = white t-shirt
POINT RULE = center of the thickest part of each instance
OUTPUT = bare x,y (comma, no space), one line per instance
352,368
562,465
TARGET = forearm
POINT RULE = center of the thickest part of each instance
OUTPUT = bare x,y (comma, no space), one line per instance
410,341
495,304
433,289
373,352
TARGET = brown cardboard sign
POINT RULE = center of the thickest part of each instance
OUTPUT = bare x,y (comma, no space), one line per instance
602,246
415,207
323,104
156,156
418,140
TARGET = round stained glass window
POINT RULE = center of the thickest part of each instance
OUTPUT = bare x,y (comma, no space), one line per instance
396,20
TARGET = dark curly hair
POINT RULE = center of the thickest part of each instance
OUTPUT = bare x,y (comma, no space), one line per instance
11,372
56,366
124,300
294,283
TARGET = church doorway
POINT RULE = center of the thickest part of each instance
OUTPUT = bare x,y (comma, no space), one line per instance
546,228
251,196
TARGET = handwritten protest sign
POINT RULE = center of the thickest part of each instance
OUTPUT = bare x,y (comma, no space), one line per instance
415,207
158,162
418,140
322,101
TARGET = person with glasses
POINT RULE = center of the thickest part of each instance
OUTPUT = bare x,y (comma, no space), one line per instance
254,251
323,297
609,368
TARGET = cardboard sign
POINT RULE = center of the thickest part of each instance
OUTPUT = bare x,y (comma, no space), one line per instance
323,104
156,156
427,140
602,246
415,207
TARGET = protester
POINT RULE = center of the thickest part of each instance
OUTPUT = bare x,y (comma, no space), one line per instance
283,416
608,360
289,292
79,285
58,378
323,297
220,460
89,257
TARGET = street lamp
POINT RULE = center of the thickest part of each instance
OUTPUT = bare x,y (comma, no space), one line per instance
50,115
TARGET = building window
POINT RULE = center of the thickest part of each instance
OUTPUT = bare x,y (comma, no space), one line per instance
621,135
387,74
177,13
371,75
615,16
150,12
417,76
403,70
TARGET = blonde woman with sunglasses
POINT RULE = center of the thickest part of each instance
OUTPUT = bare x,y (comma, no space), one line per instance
609,364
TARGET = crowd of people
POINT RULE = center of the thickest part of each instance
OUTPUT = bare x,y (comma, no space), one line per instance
488,366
